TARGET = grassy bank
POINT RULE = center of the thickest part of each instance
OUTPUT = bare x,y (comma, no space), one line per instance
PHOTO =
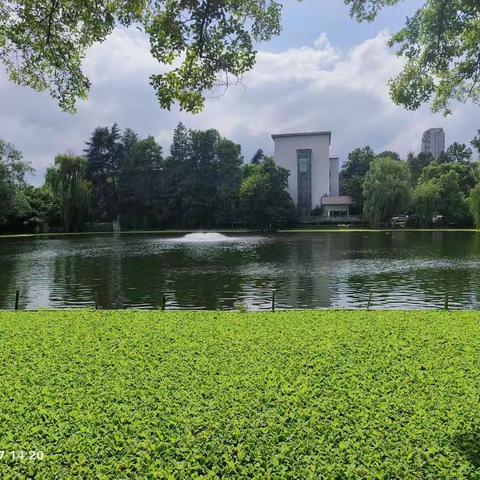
224,395
375,230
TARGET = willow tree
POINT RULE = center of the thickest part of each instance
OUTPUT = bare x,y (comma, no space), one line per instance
426,201
474,204
386,190
66,180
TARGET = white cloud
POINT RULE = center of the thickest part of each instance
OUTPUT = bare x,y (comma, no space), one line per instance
301,64
127,55
317,87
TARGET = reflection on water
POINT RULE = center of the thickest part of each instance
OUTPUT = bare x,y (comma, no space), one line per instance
211,271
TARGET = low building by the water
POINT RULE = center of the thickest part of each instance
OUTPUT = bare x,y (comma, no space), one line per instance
336,207
314,176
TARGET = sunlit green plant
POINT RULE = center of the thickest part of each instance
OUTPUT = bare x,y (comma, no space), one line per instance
182,395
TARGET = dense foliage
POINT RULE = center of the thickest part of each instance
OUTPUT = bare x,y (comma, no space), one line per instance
222,395
202,183
353,174
386,190
426,198
438,192
66,180
453,183
205,172
263,195
474,204
416,164
13,201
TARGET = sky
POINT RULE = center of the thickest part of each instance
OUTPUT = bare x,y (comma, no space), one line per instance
324,72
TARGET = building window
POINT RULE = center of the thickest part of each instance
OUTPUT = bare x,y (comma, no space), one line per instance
303,165
304,181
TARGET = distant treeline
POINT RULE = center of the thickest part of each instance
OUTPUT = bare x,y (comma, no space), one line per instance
442,192
202,183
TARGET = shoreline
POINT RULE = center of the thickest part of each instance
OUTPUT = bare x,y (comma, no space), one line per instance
243,231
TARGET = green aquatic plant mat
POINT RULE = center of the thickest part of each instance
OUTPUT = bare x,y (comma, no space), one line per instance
294,395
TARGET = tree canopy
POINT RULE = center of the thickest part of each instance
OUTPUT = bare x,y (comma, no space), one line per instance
124,178
467,174
203,182
441,45
263,196
426,199
476,143
443,189
66,180
416,164
386,189
12,182
474,204
457,153
205,43
353,174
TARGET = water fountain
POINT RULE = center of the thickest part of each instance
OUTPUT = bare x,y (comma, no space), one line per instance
204,237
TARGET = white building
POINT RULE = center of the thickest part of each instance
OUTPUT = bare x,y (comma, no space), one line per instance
314,175
433,141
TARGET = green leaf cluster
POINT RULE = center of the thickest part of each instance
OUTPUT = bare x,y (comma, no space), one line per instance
207,43
441,46
474,204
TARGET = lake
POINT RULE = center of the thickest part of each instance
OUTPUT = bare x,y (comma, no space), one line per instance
402,269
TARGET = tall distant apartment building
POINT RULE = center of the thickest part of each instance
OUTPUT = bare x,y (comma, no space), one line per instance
314,175
433,141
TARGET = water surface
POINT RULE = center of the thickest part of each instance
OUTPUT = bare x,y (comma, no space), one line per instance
310,270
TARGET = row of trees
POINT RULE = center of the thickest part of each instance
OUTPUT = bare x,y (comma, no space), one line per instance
446,190
202,183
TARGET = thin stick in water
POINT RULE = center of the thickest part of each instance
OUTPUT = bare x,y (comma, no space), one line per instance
164,302
369,300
